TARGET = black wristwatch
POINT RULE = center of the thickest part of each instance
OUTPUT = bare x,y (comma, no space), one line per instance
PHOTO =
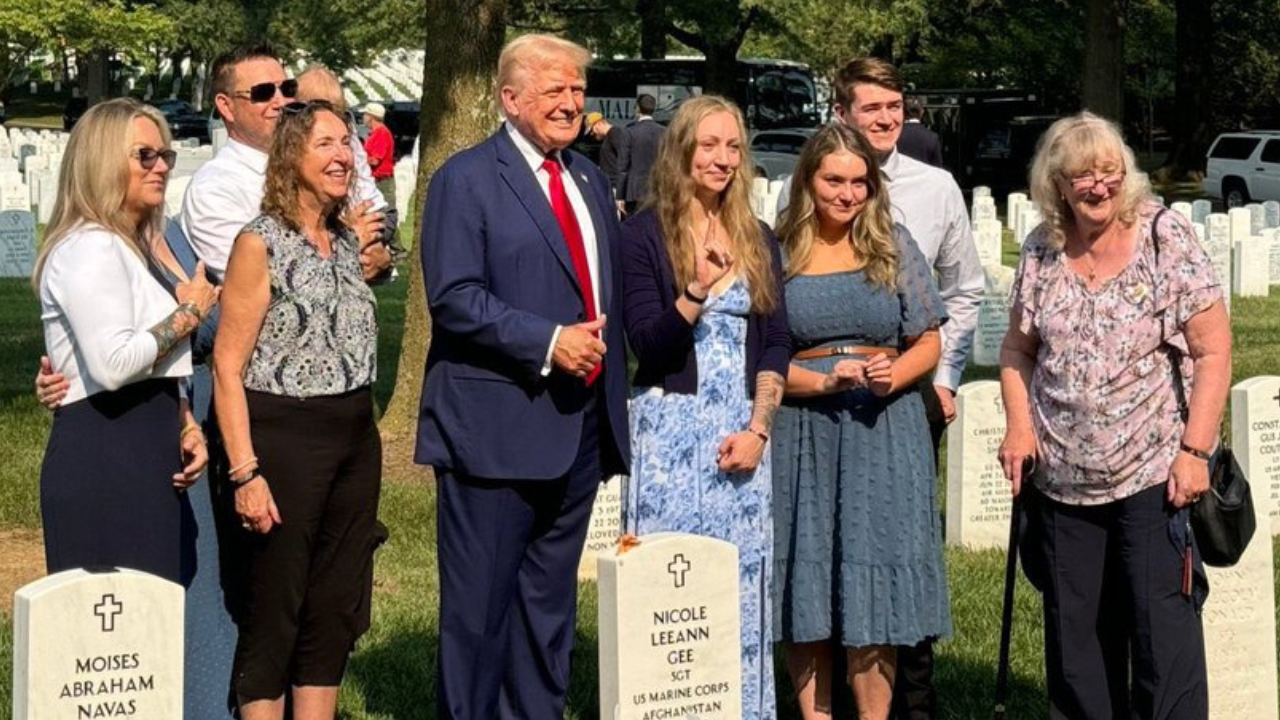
693,298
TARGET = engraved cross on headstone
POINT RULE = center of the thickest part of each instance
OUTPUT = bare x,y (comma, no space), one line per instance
678,567
108,609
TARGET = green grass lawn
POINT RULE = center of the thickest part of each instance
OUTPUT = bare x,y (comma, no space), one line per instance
390,675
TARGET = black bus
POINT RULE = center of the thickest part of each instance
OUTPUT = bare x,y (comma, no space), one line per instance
771,93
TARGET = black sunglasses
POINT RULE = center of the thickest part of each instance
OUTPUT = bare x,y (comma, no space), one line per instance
147,157
263,92
296,106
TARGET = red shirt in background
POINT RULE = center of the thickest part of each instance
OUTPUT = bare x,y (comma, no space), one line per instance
381,147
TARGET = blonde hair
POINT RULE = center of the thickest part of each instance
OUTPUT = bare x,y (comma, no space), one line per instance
871,232
532,52
318,82
94,179
672,197
1074,145
288,147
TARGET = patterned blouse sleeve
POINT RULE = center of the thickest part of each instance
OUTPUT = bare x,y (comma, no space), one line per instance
922,307
1187,283
1023,296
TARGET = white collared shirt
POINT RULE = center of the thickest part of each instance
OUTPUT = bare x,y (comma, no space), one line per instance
98,302
928,203
534,157
225,194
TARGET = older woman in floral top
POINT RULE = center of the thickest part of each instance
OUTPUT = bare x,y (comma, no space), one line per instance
1105,287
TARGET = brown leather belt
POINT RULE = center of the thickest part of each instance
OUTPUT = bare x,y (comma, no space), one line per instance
854,350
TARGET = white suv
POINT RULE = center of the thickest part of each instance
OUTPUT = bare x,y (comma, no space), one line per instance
1244,167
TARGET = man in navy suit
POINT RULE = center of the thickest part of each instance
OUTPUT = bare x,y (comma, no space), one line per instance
524,404
639,152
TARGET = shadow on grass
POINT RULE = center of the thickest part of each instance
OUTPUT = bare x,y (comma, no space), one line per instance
396,674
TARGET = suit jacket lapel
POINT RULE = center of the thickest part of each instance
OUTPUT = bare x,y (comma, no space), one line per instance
516,173
603,259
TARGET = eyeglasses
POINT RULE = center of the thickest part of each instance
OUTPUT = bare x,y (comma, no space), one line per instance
147,157
1086,182
264,92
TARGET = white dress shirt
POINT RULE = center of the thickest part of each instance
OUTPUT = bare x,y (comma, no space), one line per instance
927,201
98,301
535,158
225,194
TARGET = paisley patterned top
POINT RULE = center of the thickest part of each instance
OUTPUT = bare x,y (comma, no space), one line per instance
320,334
1102,399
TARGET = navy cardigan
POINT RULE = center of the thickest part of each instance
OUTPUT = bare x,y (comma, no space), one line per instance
662,339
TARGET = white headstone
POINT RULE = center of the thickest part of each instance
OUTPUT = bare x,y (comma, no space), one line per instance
1183,209
993,315
1271,238
1217,246
1271,213
984,208
605,527
1257,218
98,645
988,236
670,643
17,243
981,191
1241,221
978,495
1255,427
1251,274
1239,616
15,196
1200,210
1014,201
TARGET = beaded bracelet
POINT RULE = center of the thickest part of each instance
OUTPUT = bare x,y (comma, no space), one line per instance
242,465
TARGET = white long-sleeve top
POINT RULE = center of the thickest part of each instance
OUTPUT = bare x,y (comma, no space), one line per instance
97,303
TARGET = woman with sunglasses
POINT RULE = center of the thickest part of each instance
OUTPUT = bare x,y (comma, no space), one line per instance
124,444
1107,286
294,364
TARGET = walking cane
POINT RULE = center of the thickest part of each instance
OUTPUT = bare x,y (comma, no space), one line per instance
1006,618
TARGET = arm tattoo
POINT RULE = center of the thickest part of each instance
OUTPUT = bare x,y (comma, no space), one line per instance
171,330
769,387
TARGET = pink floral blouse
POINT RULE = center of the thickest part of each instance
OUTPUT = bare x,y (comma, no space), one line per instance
1102,399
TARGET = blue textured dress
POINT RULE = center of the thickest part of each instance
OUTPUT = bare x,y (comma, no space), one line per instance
676,486
858,540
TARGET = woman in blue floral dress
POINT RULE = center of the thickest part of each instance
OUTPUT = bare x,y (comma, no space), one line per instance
706,319
858,544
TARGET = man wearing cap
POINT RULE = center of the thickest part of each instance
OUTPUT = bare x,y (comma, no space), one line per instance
381,149
611,139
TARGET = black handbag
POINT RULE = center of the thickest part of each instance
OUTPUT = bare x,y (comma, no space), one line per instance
1222,520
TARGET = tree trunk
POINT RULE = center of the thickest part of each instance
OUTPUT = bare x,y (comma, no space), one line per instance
95,75
1104,58
653,28
458,111
722,70
1192,114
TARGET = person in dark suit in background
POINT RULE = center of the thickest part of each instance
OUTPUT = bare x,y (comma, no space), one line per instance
917,140
524,404
611,140
638,153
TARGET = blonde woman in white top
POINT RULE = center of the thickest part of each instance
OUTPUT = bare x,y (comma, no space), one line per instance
124,445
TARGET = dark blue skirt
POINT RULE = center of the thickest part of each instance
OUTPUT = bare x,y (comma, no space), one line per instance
106,487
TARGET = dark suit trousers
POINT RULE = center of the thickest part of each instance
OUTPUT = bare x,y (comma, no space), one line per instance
914,695
508,558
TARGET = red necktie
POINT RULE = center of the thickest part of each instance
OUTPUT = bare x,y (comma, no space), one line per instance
577,249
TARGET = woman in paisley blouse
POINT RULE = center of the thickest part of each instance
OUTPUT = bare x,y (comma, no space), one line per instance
294,363
1107,285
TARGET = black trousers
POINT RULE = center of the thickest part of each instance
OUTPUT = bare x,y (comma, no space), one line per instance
311,578
1121,639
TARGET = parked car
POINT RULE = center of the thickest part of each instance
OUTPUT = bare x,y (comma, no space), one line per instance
1244,167
184,120
775,152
